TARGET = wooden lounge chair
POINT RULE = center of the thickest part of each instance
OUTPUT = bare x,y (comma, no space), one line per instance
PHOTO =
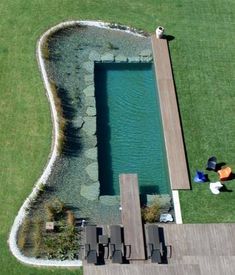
91,244
116,244
154,245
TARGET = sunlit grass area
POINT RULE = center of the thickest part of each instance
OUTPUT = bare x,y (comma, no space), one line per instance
203,57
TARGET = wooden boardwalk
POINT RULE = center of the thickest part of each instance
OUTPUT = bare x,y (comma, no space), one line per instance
177,165
197,249
131,216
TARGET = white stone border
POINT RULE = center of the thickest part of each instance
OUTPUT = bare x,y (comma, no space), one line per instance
12,241
177,208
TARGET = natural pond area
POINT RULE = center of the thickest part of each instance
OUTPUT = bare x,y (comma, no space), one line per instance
105,95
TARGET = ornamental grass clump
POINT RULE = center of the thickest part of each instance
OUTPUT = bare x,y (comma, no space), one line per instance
49,211
151,213
61,119
45,50
41,187
70,218
23,233
37,237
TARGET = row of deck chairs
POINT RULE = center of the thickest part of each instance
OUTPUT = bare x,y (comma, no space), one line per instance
115,247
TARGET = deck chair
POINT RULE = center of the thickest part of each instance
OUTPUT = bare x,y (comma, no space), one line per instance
225,173
215,187
200,177
91,244
155,250
116,244
212,164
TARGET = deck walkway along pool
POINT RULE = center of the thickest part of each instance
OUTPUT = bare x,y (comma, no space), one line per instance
131,216
170,116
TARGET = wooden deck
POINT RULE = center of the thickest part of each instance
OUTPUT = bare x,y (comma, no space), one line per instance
197,249
170,116
209,247
131,216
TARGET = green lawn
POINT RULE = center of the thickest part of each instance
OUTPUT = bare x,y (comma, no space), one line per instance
203,56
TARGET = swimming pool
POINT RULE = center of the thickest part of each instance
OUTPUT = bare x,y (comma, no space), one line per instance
129,128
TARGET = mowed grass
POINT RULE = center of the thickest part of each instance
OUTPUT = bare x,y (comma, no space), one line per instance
203,57
204,64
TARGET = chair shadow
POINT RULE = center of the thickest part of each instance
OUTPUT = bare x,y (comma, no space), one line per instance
164,247
168,37
225,189
219,166
231,177
207,178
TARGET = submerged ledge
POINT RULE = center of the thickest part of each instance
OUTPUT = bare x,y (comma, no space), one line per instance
12,241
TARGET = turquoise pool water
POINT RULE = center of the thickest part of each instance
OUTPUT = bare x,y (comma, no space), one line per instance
129,129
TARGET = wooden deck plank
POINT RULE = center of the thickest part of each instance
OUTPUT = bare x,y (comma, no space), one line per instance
140,269
131,215
177,165
200,239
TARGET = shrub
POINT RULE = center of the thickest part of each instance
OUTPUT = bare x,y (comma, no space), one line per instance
151,213
58,206
54,209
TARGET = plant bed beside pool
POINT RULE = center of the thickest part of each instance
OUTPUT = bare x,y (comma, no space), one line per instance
80,61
